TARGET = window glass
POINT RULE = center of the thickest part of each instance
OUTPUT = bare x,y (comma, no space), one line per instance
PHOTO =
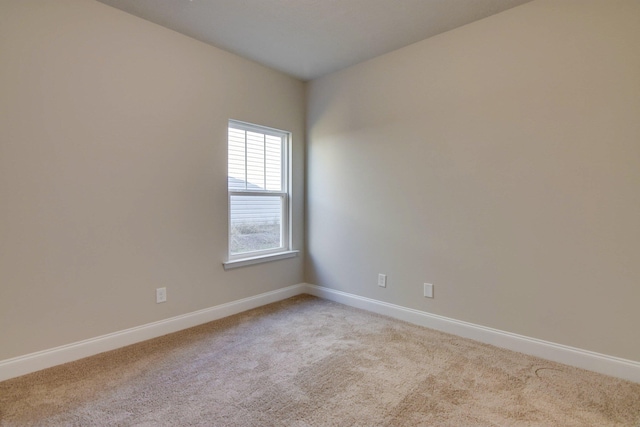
257,185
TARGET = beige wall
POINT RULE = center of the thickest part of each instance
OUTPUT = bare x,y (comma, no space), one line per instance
113,171
499,161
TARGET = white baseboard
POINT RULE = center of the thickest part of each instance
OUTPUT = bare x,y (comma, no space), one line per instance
608,365
22,365
602,363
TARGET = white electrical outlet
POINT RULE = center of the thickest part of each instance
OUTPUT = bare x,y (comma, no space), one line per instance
382,280
428,290
161,295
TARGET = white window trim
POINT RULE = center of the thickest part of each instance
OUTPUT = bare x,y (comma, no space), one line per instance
237,263
268,255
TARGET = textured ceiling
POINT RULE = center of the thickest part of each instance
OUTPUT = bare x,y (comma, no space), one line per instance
310,38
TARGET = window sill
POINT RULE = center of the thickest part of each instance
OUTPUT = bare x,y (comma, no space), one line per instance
243,262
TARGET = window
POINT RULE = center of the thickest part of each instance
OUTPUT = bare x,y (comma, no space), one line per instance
258,191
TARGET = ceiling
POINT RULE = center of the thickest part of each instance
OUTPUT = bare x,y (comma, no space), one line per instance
309,38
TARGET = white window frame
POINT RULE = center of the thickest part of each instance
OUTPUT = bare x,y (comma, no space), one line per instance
284,251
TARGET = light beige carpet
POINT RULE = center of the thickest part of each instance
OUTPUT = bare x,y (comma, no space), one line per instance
311,362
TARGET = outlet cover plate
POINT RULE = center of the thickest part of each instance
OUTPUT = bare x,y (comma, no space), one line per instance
161,295
428,290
